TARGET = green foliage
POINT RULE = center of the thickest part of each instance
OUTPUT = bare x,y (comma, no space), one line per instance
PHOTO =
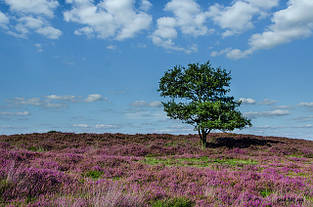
52,131
3,186
94,174
235,162
174,202
198,96
197,161
265,192
36,149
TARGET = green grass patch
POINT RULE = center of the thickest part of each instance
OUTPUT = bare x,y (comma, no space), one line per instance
196,161
266,192
36,149
235,162
94,174
295,155
3,186
173,202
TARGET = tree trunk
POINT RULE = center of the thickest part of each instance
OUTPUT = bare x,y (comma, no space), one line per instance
203,135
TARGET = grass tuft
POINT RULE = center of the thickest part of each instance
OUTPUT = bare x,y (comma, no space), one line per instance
173,202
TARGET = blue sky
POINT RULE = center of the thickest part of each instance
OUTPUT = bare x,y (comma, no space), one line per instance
94,65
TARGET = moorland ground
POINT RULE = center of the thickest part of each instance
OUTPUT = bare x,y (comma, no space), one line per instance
67,169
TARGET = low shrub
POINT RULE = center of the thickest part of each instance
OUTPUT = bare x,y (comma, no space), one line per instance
173,202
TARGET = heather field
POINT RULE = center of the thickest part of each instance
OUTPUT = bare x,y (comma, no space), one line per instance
66,169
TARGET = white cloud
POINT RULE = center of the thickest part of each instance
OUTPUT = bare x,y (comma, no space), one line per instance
273,113
105,126
54,101
94,98
23,101
36,102
64,98
188,18
294,22
97,126
145,5
247,100
306,104
32,15
24,113
283,107
238,17
221,52
111,47
88,31
139,103
283,127
142,115
38,7
117,19
39,47
49,32
81,125
155,104
4,20
27,23
53,105
304,118
147,104
267,101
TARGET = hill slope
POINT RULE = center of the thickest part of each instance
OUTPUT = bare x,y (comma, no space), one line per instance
66,169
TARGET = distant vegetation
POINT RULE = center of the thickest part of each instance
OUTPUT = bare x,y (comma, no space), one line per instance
82,170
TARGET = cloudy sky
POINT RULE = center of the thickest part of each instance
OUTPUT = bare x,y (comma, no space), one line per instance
94,65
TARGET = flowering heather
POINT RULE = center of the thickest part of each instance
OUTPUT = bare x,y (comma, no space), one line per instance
66,169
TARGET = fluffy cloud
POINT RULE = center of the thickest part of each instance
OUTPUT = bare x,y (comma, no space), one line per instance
306,104
147,115
145,5
32,15
238,18
294,22
105,126
81,125
111,47
117,19
188,18
4,20
39,7
54,101
64,98
24,113
304,118
283,127
247,101
23,101
39,47
147,104
97,126
273,113
94,98
267,101
49,32
36,102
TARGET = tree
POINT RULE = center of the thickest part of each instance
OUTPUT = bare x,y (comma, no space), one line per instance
198,96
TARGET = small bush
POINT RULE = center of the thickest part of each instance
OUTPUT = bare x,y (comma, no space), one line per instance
31,182
93,174
174,202
52,131
265,192
4,186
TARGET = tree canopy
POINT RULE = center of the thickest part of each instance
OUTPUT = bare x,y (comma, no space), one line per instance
198,96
